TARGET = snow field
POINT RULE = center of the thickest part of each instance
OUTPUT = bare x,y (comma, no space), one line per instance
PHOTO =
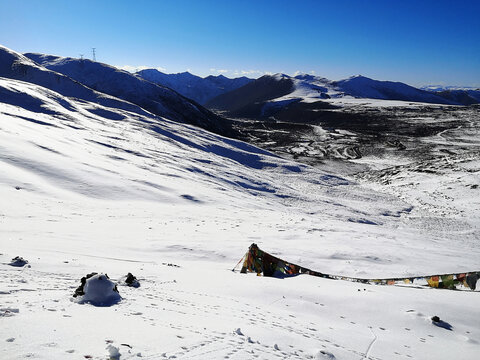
83,193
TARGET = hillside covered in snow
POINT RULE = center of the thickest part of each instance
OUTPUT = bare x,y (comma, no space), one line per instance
93,182
159,100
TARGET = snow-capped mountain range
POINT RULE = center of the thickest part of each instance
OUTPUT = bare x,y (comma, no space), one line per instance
463,95
150,89
194,87
270,94
448,87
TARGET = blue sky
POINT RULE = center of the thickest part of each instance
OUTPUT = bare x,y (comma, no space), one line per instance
417,42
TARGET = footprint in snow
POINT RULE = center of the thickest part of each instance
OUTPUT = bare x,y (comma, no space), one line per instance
51,344
7,312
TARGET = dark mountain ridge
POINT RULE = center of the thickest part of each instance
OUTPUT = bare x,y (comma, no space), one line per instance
248,100
194,87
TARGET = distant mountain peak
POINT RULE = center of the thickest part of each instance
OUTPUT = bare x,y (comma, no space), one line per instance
359,77
195,87
280,76
449,87
305,77
150,70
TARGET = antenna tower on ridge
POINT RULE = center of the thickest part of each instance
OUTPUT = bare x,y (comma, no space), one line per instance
93,54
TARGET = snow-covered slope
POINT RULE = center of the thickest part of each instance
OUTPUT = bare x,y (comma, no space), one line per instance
194,87
157,99
115,136
92,188
16,66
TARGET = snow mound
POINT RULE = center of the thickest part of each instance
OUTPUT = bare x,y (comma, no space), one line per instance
8,311
113,352
98,290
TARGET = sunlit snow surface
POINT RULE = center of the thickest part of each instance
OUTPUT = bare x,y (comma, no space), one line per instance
85,188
